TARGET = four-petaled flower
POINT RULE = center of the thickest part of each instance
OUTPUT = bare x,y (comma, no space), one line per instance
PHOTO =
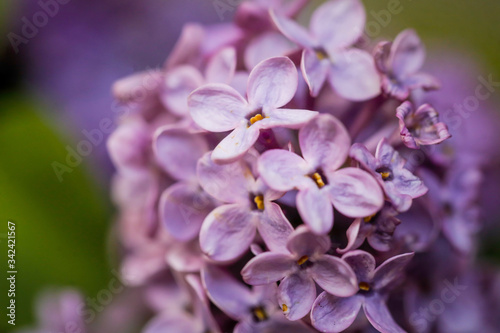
220,108
299,269
400,62
255,310
377,229
334,314
399,184
228,230
324,143
328,55
420,127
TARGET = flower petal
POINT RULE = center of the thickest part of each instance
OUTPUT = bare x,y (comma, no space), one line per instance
222,66
432,131
355,193
183,207
267,45
314,70
267,267
289,118
334,314
225,182
274,227
217,107
226,293
390,270
422,80
283,170
325,142
362,155
187,48
408,54
305,243
381,56
272,83
355,236
398,90
353,75
227,232
362,263
139,89
172,322
403,111
129,148
316,210
335,276
338,24
178,151
177,85
293,30
379,316
185,257
236,144
297,292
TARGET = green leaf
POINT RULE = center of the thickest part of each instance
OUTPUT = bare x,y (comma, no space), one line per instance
61,227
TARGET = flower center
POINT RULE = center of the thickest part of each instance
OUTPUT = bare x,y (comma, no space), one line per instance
364,286
317,178
256,118
321,53
302,260
386,173
369,218
259,202
284,307
259,314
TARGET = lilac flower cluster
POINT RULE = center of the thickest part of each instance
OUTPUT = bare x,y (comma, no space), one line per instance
264,154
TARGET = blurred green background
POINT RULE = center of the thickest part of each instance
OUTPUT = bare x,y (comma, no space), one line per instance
62,227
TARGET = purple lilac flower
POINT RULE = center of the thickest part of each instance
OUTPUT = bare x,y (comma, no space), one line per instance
324,143
173,320
399,184
181,80
220,108
334,314
254,15
455,202
284,165
129,148
377,229
255,310
298,270
335,26
184,205
400,62
420,127
137,198
229,229
59,312
419,226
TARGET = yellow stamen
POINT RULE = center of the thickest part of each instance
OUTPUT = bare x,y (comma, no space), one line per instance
321,55
259,201
385,174
260,314
302,260
284,308
364,286
256,118
369,218
319,181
